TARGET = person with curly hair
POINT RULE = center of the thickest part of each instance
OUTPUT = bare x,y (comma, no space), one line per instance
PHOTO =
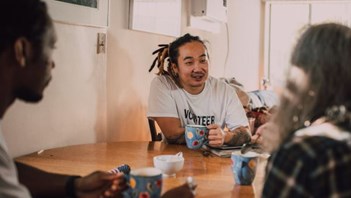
310,134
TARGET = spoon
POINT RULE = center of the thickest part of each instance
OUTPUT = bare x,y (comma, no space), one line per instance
251,147
176,156
179,154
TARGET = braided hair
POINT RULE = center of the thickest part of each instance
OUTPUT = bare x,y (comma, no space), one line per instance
170,53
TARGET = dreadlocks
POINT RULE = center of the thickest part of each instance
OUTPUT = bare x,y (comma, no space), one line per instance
160,59
170,53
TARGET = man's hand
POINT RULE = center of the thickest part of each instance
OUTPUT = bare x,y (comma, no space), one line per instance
100,184
216,135
182,191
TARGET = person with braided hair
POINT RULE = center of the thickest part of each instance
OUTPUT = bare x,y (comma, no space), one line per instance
184,93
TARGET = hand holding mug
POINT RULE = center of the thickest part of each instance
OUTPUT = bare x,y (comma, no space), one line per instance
100,184
216,135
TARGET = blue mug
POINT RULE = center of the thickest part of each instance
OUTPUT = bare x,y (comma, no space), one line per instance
196,136
244,167
144,182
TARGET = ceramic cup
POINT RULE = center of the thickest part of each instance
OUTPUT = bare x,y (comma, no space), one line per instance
144,182
196,136
244,167
169,164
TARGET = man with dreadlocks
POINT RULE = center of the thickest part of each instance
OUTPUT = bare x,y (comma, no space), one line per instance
186,94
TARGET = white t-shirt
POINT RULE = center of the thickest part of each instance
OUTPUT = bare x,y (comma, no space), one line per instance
218,103
9,185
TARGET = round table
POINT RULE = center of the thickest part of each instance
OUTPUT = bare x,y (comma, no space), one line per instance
211,173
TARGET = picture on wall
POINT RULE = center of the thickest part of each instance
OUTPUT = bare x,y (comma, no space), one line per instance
88,3
80,12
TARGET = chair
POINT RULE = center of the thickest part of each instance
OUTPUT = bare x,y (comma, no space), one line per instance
155,136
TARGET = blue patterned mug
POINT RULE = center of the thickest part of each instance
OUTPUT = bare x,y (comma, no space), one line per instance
244,167
144,182
196,136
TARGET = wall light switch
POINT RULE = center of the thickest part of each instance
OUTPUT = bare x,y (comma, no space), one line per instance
101,43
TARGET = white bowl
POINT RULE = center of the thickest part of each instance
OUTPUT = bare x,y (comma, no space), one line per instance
169,164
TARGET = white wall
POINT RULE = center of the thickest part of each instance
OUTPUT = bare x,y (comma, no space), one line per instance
73,110
246,28
104,98
129,58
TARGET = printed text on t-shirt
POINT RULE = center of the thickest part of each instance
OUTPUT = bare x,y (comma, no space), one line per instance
200,120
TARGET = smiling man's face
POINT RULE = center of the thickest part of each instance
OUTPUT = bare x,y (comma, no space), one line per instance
192,66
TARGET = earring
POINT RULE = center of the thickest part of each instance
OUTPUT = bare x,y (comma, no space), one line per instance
311,93
23,62
307,123
338,113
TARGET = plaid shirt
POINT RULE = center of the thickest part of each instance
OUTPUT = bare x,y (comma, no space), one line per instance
309,167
